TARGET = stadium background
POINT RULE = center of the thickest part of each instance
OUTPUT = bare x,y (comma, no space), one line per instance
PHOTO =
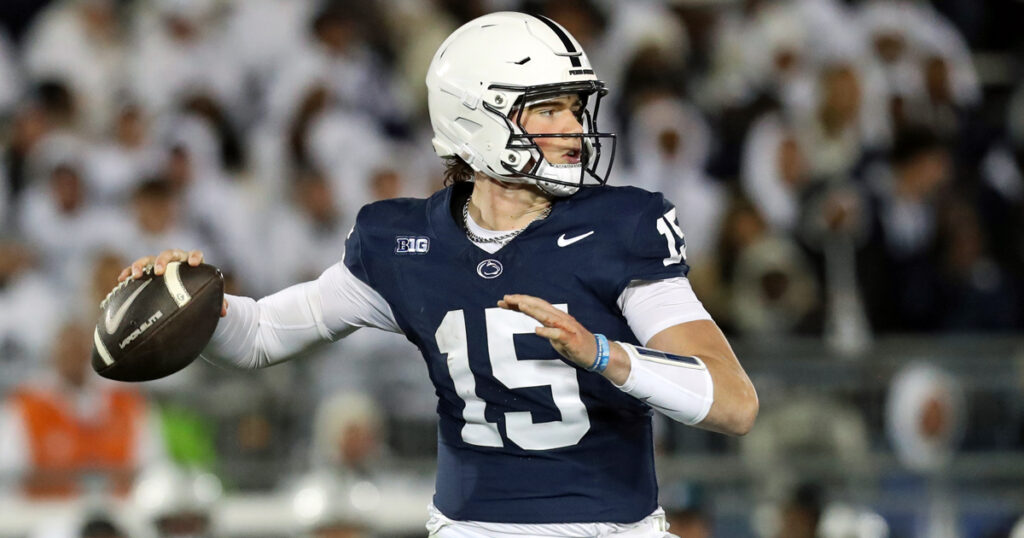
848,173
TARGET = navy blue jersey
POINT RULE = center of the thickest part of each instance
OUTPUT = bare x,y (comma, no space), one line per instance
524,436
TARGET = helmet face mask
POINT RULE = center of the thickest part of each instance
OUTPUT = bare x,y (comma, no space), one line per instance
483,80
525,158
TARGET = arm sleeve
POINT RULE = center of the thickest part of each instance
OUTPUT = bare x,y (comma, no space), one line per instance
257,334
653,306
679,387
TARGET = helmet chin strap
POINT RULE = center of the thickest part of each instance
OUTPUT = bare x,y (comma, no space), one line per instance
568,173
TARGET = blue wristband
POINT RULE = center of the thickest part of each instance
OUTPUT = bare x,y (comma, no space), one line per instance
604,352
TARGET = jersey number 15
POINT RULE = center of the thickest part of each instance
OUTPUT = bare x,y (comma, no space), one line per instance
520,428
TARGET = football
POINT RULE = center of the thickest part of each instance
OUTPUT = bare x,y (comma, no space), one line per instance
154,326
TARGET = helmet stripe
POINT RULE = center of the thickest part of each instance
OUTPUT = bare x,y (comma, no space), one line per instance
569,47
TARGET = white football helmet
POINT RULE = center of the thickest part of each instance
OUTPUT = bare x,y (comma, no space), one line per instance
479,82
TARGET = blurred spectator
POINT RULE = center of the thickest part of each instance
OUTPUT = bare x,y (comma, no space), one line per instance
903,34
802,513
29,127
96,279
113,167
418,28
57,213
349,171
68,431
834,223
742,227
349,475
260,424
775,171
261,35
685,510
831,131
802,433
178,502
156,205
347,435
100,527
978,293
327,506
83,44
85,523
59,104
898,265
349,59
215,207
30,310
925,416
770,57
774,291
10,77
308,234
1001,195
925,419
317,126
179,51
689,523
671,145
651,73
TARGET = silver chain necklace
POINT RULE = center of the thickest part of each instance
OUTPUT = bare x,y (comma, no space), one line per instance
504,238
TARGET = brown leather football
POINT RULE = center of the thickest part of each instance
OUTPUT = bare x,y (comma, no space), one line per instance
154,326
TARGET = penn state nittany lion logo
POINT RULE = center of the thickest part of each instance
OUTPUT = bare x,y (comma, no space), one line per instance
489,269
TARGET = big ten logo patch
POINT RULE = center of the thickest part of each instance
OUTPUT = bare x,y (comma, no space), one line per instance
411,244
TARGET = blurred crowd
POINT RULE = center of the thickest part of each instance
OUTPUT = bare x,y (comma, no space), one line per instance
841,170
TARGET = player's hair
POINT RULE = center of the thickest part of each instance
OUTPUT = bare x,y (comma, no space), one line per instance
457,170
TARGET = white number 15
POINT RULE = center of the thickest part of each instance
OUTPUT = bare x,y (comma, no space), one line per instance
520,428
673,236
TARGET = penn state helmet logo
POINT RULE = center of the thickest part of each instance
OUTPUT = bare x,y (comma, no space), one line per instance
489,269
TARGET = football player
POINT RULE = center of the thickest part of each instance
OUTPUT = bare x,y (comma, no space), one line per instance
526,253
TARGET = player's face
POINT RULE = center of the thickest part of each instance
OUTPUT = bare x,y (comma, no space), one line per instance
556,115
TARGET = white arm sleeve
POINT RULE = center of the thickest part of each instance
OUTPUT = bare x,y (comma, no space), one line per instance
256,334
651,306
682,390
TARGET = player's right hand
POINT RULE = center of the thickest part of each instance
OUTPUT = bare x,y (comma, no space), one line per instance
160,261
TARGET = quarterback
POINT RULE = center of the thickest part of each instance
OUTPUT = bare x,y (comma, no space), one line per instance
552,310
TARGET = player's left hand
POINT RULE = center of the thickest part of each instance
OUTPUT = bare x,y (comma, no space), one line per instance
569,338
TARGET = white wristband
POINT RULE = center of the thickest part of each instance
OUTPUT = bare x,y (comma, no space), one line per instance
678,386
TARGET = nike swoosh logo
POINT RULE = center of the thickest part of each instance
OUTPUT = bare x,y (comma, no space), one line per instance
112,322
563,242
